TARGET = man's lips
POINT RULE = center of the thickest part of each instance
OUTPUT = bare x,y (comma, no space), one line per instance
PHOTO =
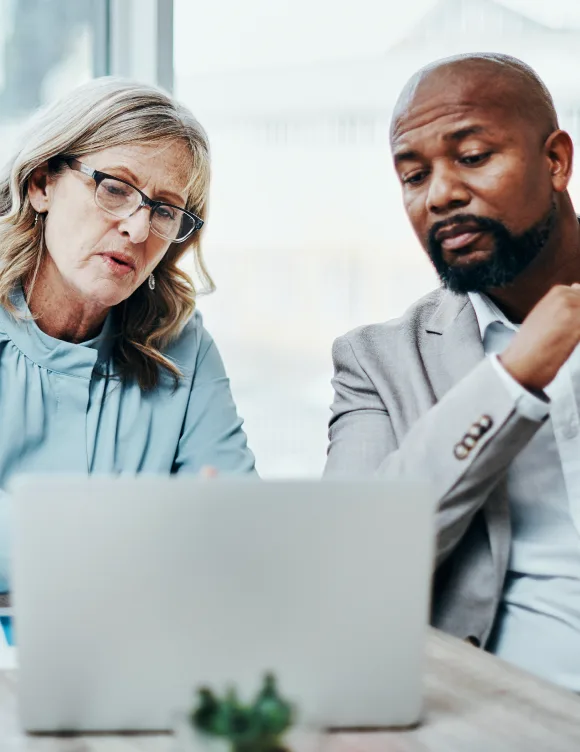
457,242
458,236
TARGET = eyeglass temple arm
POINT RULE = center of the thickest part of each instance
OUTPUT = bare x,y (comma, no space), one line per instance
80,167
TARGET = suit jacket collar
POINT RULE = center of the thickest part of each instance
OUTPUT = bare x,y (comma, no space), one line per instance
453,346
449,308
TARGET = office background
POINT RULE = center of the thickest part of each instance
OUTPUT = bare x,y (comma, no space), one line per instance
307,236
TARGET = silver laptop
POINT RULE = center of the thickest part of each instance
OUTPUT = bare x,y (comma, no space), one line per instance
130,593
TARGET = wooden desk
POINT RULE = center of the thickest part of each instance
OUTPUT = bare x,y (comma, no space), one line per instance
473,703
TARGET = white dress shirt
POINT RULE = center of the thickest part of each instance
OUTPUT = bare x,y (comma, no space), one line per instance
538,625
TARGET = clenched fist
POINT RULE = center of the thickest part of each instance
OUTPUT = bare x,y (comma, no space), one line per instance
546,339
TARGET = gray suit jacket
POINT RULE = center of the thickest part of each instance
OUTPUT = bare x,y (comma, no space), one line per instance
416,398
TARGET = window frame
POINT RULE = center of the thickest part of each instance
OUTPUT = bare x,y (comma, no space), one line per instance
140,41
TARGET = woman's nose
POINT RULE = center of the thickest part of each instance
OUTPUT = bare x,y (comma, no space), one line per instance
137,226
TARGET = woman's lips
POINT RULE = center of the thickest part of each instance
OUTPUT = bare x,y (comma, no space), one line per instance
458,242
118,266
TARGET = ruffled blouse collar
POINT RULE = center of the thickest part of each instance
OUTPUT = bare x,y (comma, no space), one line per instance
51,353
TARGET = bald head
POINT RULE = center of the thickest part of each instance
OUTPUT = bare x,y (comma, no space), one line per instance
483,166
496,81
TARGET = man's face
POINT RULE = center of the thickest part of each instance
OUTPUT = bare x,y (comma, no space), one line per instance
476,182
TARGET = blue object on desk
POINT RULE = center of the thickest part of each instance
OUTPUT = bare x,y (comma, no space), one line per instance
6,622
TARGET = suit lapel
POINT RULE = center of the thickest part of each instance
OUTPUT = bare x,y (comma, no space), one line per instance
452,344
451,349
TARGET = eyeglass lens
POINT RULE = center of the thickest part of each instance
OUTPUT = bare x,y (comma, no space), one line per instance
122,200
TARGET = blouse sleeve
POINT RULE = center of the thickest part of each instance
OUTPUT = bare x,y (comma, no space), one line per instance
212,433
5,540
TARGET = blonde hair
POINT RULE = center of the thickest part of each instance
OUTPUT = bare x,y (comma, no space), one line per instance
102,113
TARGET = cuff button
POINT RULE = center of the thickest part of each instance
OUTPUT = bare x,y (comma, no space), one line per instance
485,422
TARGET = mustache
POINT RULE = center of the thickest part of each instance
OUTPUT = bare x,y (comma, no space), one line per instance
479,224
510,253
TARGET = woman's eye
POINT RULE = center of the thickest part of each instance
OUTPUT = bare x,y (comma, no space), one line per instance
116,190
474,159
165,212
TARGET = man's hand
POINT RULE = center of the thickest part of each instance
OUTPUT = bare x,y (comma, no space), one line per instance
546,339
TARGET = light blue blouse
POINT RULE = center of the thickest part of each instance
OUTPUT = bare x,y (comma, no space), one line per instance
62,410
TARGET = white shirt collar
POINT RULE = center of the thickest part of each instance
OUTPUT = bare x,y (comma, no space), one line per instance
487,313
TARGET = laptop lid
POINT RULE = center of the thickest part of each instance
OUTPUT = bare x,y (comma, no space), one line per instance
131,592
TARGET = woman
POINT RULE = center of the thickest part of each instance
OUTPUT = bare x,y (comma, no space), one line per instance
105,366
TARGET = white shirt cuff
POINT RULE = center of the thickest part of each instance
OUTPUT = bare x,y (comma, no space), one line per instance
528,405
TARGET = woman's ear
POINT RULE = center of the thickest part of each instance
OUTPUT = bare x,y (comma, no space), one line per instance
39,189
560,152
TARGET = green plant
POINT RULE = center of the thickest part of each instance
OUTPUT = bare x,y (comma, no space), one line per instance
257,727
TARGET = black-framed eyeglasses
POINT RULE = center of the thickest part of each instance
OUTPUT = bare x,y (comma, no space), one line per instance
122,200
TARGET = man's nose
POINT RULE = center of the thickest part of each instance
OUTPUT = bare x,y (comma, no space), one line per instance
447,191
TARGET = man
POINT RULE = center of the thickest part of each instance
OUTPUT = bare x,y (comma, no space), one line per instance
476,388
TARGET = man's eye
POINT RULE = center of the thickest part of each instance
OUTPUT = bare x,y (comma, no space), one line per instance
474,159
415,178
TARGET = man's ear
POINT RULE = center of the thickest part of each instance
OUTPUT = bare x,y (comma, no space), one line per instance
39,189
560,154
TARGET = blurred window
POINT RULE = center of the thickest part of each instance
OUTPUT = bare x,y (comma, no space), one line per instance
46,48
307,236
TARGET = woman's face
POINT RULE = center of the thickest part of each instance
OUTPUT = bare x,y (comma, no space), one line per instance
101,258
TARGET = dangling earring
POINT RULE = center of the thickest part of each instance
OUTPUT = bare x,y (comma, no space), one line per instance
38,257
151,281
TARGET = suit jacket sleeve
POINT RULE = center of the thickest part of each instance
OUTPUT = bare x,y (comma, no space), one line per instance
363,439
